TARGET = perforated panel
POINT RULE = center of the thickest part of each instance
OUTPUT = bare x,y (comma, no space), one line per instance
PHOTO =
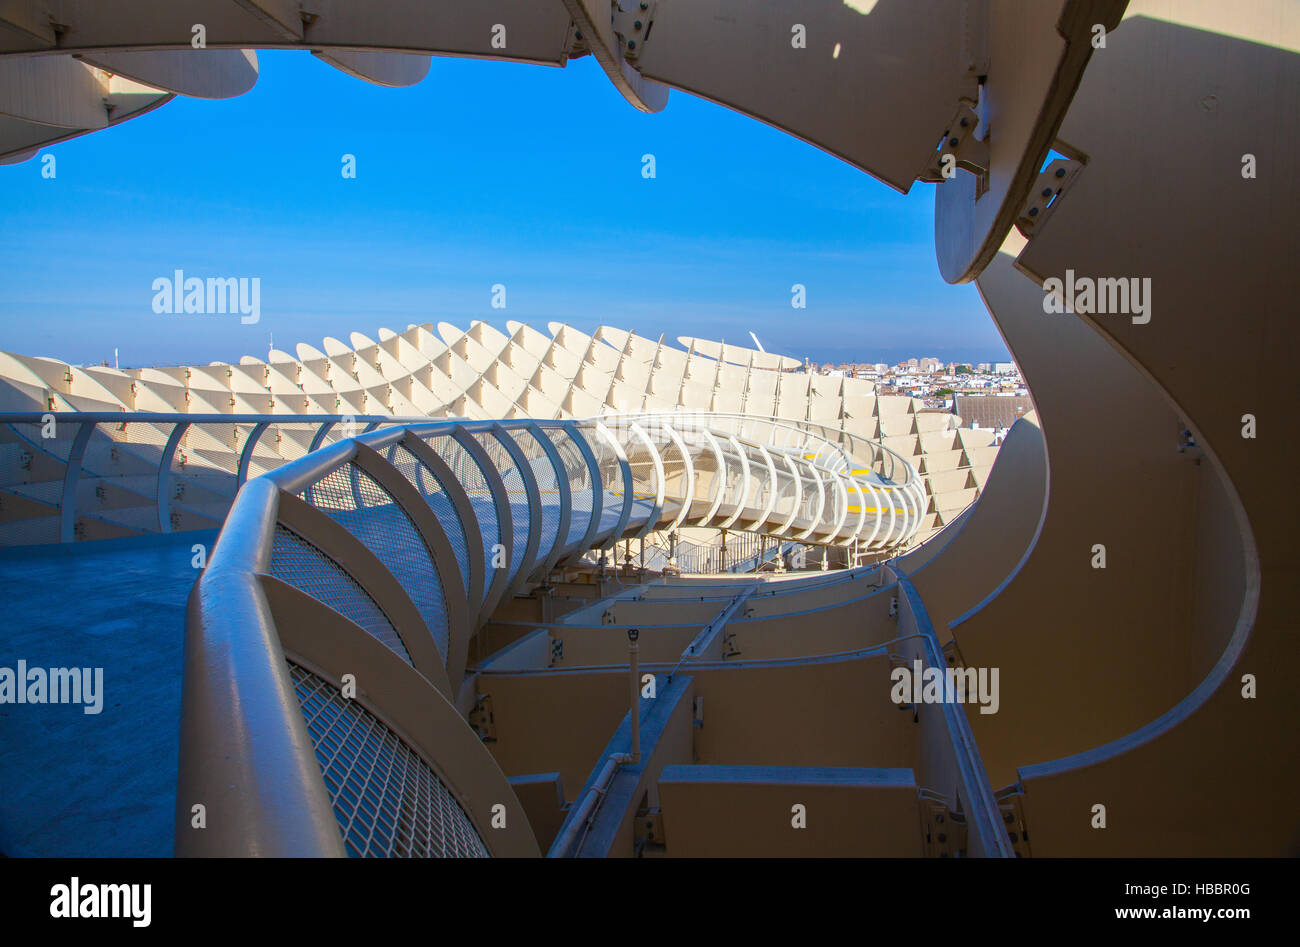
300,564
387,799
611,475
548,489
435,494
579,476
475,484
517,493
356,501
32,469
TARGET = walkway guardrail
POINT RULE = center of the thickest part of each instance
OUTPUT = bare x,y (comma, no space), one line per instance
370,563
69,476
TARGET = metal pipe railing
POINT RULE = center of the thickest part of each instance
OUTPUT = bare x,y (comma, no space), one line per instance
117,426
232,620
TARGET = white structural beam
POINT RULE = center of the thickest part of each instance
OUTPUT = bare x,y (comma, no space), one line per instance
797,481
688,490
719,478
772,487
743,494
637,431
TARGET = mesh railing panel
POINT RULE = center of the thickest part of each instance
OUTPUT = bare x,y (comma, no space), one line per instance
548,488
435,494
355,500
388,801
59,446
300,564
205,463
475,484
517,492
31,472
579,475
119,450
611,475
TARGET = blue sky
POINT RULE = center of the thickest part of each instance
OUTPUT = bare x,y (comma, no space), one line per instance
484,173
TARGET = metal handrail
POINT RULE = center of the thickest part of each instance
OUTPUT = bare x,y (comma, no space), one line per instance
230,614
895,476
87,423
897,461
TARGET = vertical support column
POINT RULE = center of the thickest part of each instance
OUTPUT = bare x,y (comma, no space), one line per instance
165,475
72,474
634,668
246,457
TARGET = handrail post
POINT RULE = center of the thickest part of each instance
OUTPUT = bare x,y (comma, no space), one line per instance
634,677
71,475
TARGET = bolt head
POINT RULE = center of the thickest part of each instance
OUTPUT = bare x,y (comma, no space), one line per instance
1060,172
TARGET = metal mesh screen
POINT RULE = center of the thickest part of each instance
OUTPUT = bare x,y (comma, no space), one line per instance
388,801
475,485
579,476
31,482
548,488
355,500
435,494
517,493
300,564
205,463
611,474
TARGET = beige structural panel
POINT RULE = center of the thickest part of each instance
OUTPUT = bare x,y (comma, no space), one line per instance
833,74
973,558
48,100
1165,119
1034,55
